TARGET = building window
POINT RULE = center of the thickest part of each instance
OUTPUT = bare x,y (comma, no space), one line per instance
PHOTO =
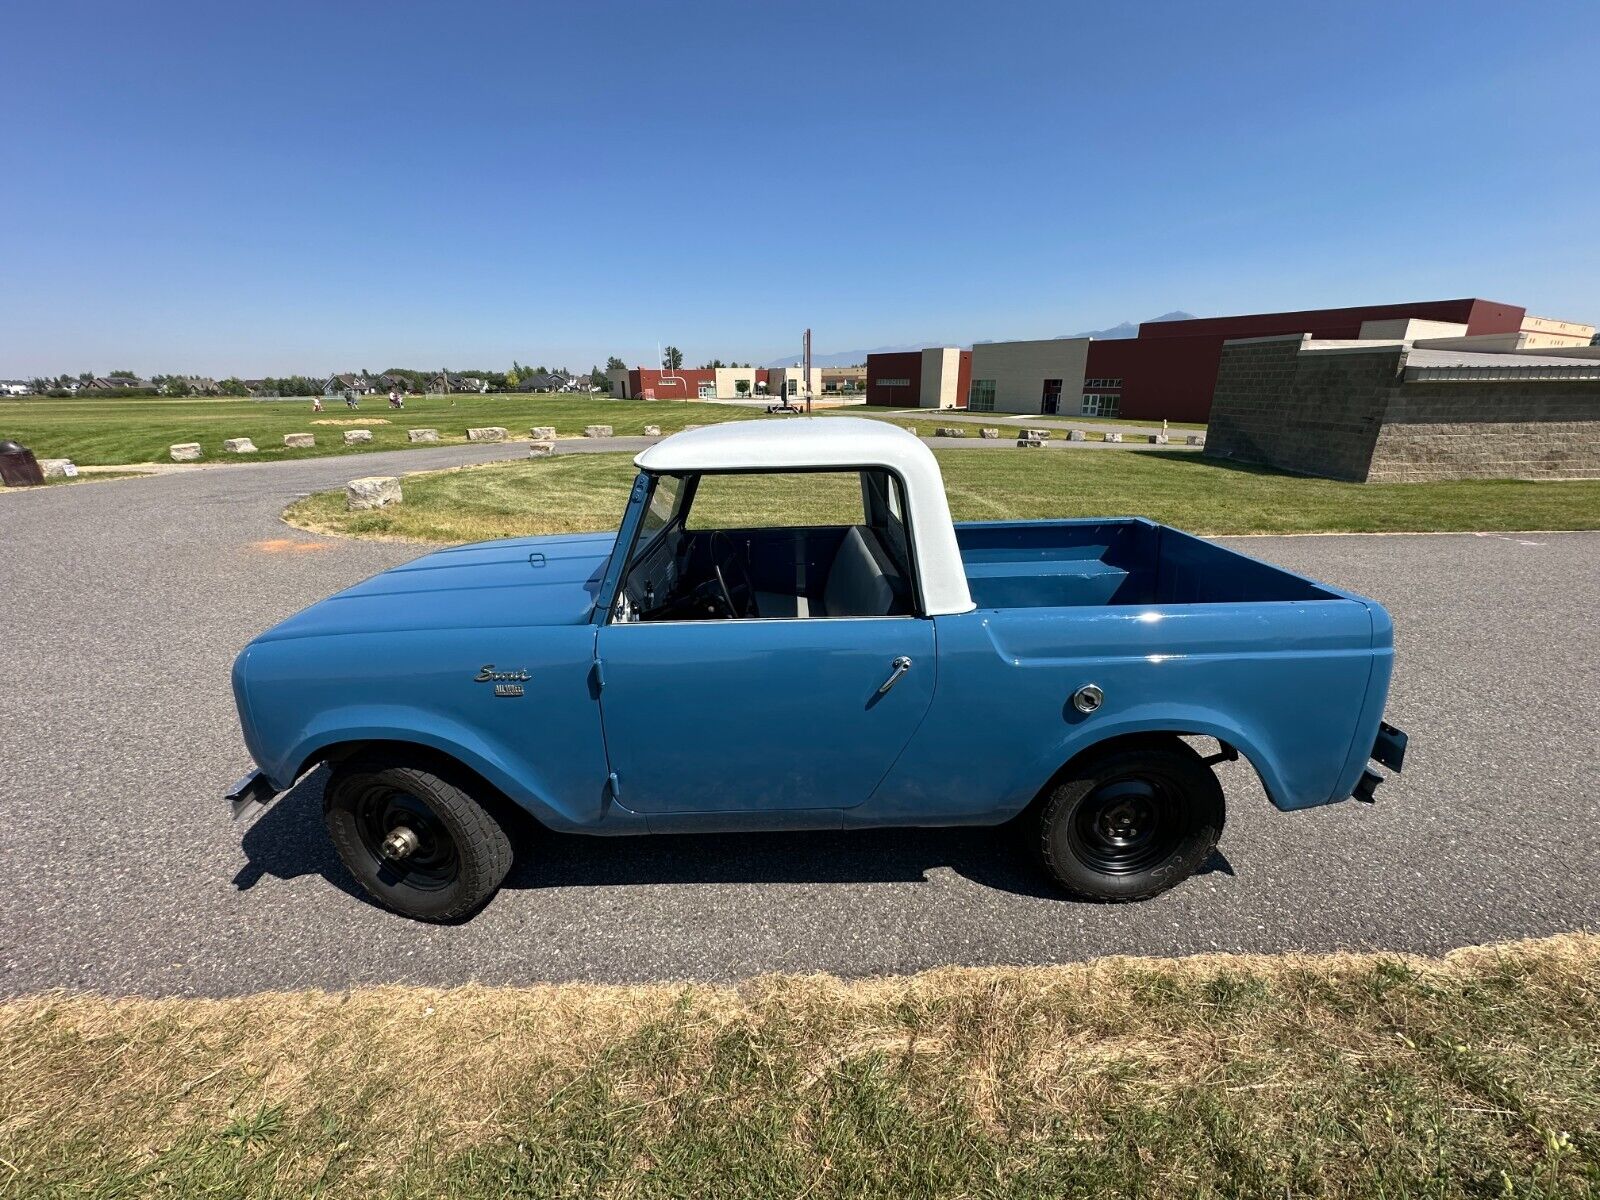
708,391
980,397
793,386
1102,384
892,382
1100,404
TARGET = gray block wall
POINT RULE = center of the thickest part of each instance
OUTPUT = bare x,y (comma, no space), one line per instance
1349,414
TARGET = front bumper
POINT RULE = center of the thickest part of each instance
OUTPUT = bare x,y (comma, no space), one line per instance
254,788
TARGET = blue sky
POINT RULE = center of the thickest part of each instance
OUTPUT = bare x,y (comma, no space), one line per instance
317,186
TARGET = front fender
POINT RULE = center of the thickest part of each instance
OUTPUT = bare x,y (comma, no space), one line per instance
522,781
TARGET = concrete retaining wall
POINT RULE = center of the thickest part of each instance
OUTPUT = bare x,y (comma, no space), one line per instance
1349,414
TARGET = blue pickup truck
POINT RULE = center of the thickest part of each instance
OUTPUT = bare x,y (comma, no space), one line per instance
789,632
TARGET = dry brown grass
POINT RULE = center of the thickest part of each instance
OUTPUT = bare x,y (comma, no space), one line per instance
1344,1074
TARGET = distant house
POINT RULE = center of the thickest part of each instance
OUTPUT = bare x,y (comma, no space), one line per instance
444,382
14,387
196,385
544,381
117,383
338,385
395,383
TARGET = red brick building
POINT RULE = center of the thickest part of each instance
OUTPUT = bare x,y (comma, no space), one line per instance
938,377
1170,370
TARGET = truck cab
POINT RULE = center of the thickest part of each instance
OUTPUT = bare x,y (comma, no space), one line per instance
788,631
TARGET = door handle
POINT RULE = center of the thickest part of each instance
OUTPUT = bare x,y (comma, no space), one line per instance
901,666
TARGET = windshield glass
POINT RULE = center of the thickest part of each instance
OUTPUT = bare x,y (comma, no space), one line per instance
663,500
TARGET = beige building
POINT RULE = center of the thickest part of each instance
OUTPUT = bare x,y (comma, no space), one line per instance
1044,377
1551,332
1537,333
844,379
790,382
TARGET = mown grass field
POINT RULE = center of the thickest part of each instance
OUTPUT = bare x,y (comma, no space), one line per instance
105,431
575,493
96,431
1346,1075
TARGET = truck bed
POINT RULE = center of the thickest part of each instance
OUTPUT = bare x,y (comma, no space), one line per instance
1057,564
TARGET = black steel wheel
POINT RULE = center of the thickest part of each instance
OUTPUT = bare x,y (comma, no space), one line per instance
1131,822
417,843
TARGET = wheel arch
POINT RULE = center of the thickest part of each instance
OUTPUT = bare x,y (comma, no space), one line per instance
1234,744
447,766
452,749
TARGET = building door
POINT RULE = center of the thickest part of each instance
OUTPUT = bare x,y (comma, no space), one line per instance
1050,400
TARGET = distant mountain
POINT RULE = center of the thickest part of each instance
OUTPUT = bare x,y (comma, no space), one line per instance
1128,329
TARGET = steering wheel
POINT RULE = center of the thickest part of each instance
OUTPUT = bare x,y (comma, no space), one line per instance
725,562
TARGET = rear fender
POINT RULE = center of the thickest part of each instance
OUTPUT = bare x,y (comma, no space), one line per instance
1180,720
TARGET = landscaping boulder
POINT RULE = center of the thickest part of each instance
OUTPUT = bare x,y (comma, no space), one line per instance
652,431
1042,435
988,434
1030,443
543,433
541,449
354,437
949,431
1113,436
184,451
1196,439
597,431
487,433
375,491
239,446
58,468
422,435
299,441
1158,439
1077,435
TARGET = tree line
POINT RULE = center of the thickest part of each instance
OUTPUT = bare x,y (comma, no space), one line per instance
305,385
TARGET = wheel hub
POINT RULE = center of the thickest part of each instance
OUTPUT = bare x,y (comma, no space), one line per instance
401,843
1126,825
407,838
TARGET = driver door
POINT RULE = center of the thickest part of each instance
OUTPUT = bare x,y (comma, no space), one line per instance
751,716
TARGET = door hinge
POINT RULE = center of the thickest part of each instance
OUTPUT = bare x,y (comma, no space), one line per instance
615,786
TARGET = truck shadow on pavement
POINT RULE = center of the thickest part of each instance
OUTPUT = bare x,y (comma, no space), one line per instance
289,841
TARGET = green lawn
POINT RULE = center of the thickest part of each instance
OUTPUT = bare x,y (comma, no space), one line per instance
570,493
1343,1075
96,431
106,431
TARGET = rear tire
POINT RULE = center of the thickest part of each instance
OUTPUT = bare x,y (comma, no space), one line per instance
1128,824
460,854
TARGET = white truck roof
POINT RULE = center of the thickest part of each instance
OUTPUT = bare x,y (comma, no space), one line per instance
837,443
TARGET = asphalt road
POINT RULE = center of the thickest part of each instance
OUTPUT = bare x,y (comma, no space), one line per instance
120,871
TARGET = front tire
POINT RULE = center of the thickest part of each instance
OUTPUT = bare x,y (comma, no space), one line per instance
417,843
1128,824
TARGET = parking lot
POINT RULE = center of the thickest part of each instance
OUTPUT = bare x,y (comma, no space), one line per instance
126,602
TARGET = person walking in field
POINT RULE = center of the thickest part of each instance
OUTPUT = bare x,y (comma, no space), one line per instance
395,400
350,400
316,404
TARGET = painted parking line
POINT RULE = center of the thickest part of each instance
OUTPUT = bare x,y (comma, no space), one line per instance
1502,537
